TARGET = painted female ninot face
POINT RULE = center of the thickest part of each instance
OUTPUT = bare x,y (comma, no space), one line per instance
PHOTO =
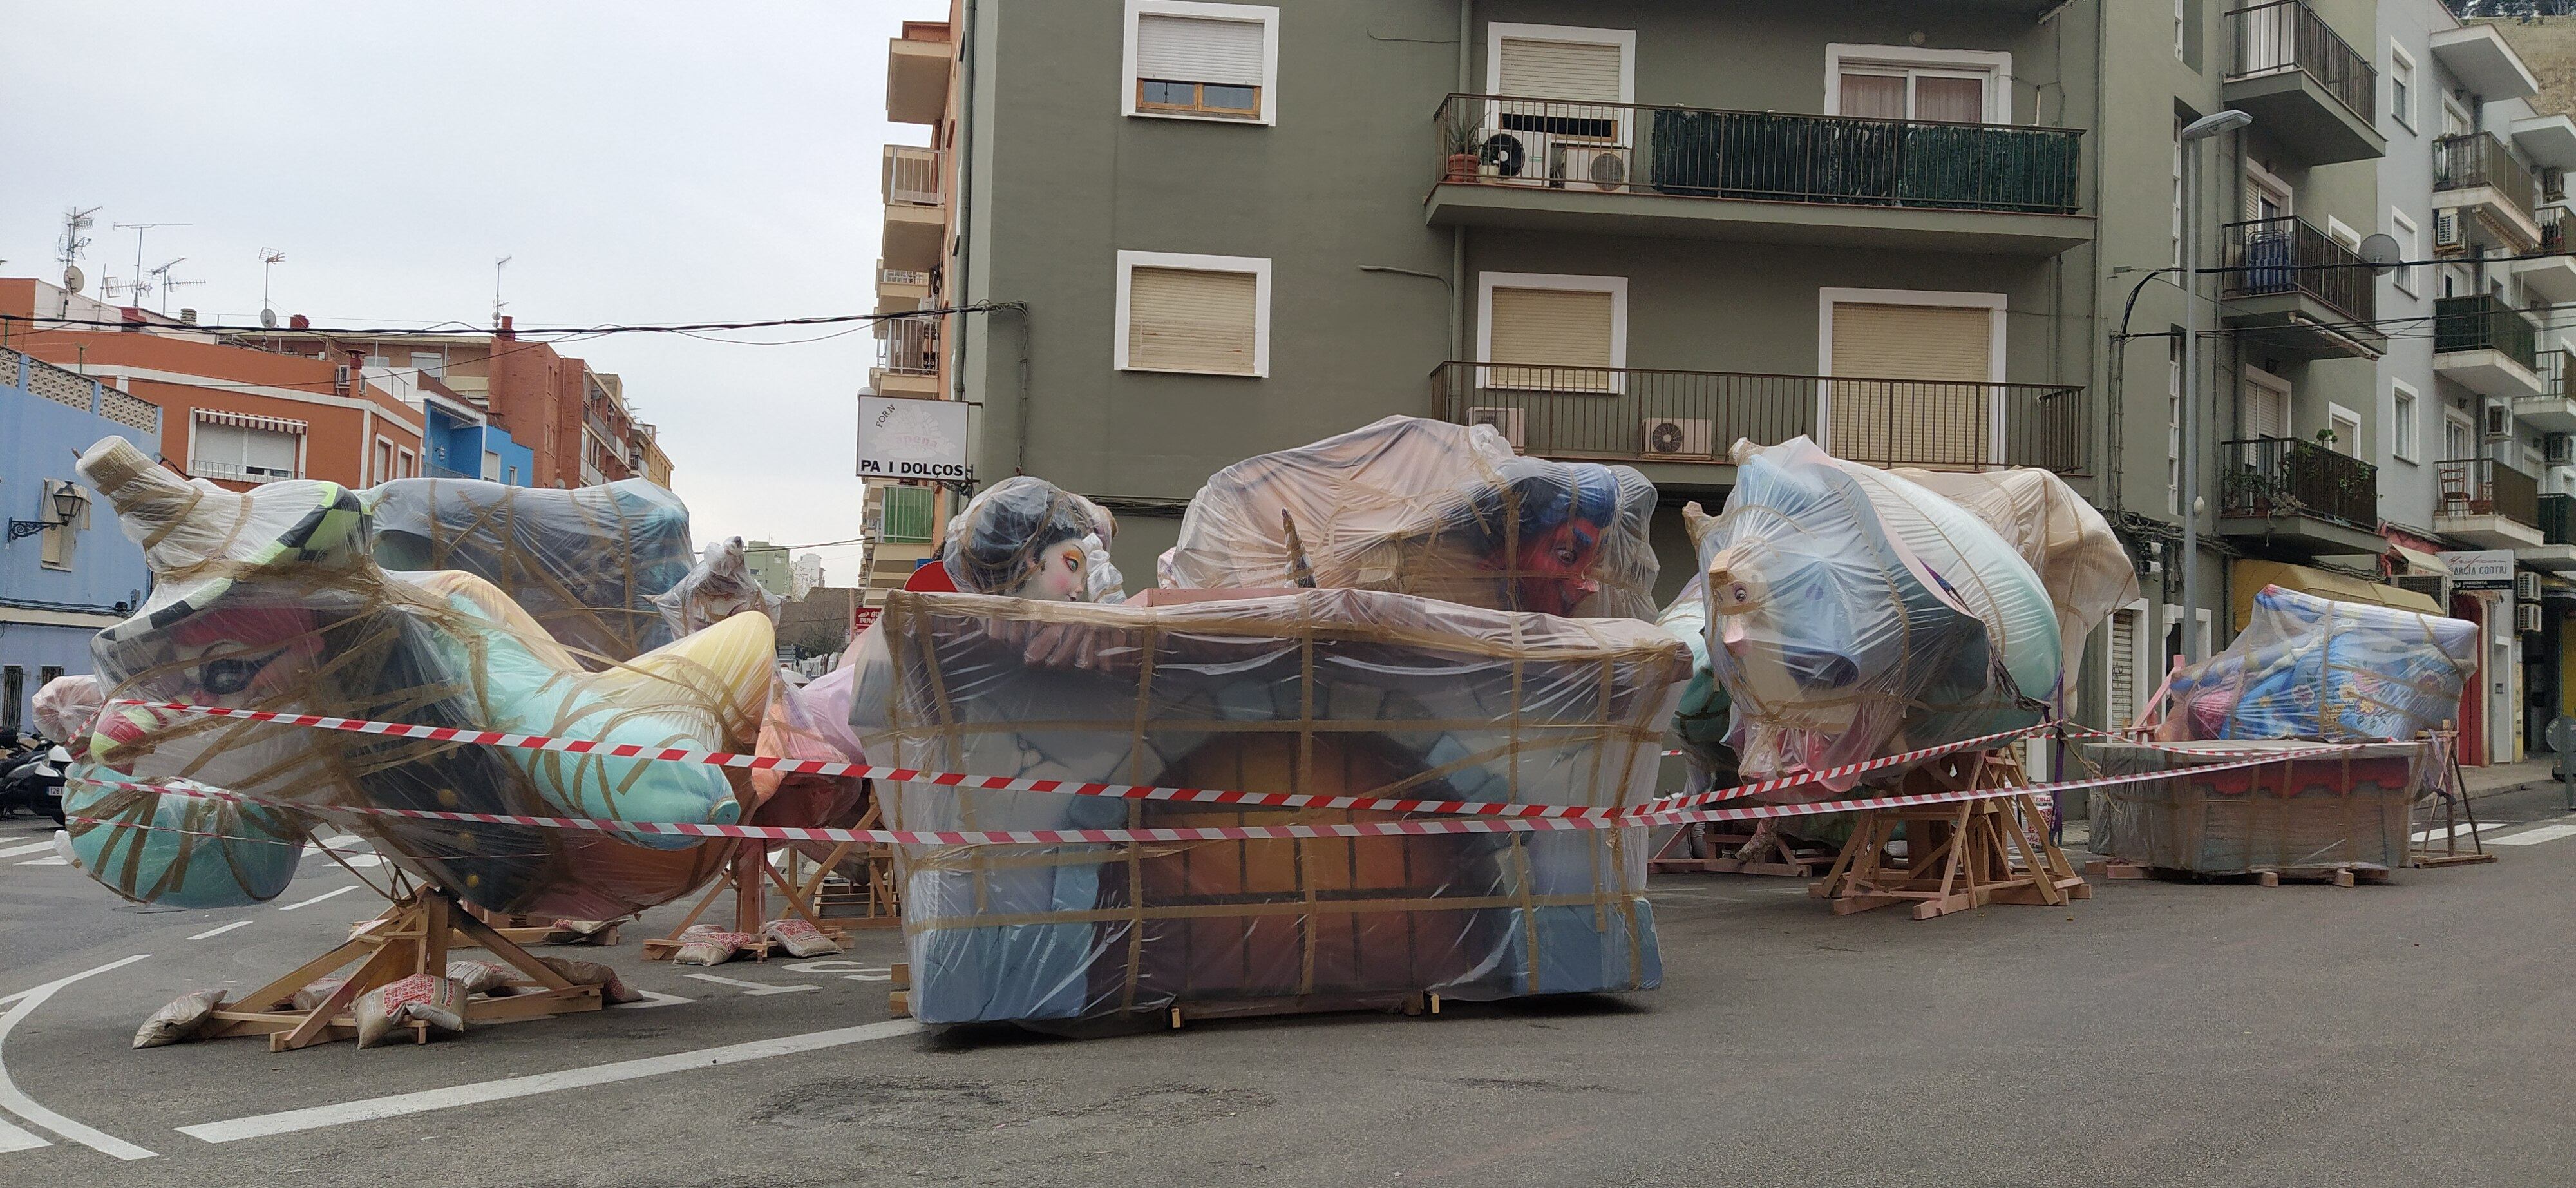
1055,575
1552,571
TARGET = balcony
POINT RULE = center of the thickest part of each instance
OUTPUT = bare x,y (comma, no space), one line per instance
2486,346
917,73
1628,169
907,357
2551,277
1679,426
916,226
2291,288
2557,548
2298,495
2483,502
2308,90
235,472
901,290
2481,181
2554,410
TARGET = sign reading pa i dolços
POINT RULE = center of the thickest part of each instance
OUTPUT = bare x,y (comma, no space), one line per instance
902,438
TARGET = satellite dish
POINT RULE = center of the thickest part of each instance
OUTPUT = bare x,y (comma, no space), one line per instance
73,279
2380,251
268,319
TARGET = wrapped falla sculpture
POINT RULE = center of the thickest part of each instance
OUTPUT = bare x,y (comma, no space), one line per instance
718,588
274,600
2315,668
1854,614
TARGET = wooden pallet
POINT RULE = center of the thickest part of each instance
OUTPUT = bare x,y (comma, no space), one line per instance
1960,855
1178,1015
414,936
2341,874
748,876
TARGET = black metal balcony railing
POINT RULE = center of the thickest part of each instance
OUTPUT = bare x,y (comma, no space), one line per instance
2289,35
2275,476
2289,255
2486,487
2557,519
908,346
1632,414
2484,322
1763,156
2472,159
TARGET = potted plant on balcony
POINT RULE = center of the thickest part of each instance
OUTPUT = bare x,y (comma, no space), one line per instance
1464,142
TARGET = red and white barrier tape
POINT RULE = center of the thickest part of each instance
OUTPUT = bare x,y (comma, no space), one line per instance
1423,828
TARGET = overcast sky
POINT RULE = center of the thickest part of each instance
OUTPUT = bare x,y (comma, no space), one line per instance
639,162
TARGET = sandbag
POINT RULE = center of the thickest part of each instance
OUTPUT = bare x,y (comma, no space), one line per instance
424,998
180,1019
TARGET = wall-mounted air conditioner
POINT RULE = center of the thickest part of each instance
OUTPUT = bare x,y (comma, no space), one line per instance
1507,421
2526,587
1670,437
2446,231
2526,618
1578,164
2431,585
2499,421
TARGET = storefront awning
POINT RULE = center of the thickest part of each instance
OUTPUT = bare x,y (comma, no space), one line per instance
2418,561
219,416
2249,577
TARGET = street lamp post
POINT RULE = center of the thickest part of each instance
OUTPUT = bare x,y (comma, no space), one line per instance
2192,134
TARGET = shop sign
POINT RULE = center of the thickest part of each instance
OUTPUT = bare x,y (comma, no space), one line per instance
2483,569
901,438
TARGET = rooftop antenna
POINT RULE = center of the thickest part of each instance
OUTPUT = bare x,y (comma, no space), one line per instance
162,275
269,258
497,304
137,286
75,221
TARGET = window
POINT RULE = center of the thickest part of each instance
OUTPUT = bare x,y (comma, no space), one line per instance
13,697
2267,404
244,449
384,461
1924,367
2401,86
2456,436
2128,669
2401,421
2180,16
2402,229
1205,315
380,362
491,472
2266,195
2173,421
2455,118
2341,234
1584,76
408,467
1570,333
2345,426
2176,231
430,363
1188,60
907,516
1896,82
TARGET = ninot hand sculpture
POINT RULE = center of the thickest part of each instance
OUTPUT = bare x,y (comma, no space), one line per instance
272,599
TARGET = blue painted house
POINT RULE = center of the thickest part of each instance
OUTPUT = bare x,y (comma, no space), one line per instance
65,571
462,442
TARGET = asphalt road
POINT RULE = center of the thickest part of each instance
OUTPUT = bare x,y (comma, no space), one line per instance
2158,1034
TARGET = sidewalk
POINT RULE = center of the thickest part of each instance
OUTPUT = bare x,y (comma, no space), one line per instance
2498,779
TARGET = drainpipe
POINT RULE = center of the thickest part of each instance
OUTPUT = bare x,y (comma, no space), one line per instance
1458,233
965,177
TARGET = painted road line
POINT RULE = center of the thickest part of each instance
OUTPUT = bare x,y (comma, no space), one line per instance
25,1107
317,899
652,998
221,929
29,848
2533,837
755,988
14,1139
56,861
400,1104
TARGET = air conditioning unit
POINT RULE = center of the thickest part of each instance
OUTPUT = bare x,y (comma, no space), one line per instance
2559,449
2499,421
1507,421
340,379
1669,437
1582,164
1509,155
2526,618
2446,231
2431,585
2526,587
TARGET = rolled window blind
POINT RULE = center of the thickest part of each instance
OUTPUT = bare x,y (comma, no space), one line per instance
1560,70
1938,415
2124,668
1566,334
1187,319
1198,49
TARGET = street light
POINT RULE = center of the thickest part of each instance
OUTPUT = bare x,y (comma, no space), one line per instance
68,500
2191,136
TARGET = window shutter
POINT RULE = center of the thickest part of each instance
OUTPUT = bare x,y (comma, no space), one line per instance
268,450
1198,49
1185,319
2124,668
1939,415
1567,333
217,443
1573,70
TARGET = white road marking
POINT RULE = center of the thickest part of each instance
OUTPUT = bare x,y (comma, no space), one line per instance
29,848
653,998
45,861
221,929
25,1107
855,971
2533,837
755,989
317,899
400,1104
15,1139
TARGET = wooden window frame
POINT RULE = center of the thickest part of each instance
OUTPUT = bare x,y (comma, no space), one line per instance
1257,266
1145,106
1265,96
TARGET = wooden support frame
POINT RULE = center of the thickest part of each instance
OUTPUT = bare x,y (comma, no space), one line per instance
2452,814
415,935
749,875
1764,851
1959,855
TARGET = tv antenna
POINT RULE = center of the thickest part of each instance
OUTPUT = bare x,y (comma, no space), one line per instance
497,304
136,285
75,221
161,276
269,259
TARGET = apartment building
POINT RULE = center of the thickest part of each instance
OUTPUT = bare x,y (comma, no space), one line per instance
65,569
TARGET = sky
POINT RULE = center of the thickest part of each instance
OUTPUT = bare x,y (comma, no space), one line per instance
637,161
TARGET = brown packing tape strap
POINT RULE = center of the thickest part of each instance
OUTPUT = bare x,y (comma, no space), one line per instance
1207,911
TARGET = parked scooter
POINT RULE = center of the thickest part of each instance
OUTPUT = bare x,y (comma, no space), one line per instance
33,780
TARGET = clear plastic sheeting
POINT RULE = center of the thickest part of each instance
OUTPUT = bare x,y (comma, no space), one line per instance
2315,668
273,600
1853,614
720,587
1028,538
2068,543
585,562
809,722
1700,720
1317,692
1425,507
65,707
2349,808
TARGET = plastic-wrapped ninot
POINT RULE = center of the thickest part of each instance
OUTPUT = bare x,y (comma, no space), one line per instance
1853,614
2314,668
66,706
1028,538
586,563
1425,507
272,599
1700,721
2061,536
720,587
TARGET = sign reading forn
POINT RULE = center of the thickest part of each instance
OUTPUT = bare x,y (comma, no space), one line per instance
912,439
2483,569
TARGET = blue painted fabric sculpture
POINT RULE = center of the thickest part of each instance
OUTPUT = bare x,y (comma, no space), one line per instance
2315,668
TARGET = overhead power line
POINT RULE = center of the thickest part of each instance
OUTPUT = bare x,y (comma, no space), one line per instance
650,328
